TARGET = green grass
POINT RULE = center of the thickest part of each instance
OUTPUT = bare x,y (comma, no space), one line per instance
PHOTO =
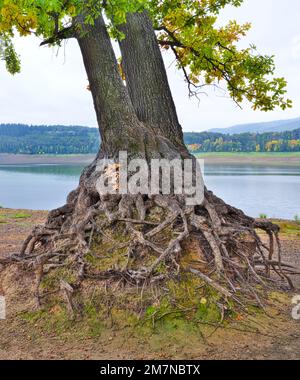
18,215
21,216
289,227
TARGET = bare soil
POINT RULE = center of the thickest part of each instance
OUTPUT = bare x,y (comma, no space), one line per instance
28,159
261,337
270,159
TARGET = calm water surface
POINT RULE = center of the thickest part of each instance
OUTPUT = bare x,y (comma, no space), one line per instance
274,191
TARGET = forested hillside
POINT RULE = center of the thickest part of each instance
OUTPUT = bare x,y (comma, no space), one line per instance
57,139
245,142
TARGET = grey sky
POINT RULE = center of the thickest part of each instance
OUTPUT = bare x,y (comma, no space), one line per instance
52,88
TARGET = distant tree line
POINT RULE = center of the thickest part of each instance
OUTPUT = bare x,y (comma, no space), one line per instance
57,139
245,142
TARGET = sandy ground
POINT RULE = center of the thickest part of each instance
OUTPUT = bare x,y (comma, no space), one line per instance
277,337
27,159
211,159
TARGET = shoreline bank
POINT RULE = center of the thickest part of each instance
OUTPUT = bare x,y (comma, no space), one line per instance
288,159
49,334
27,159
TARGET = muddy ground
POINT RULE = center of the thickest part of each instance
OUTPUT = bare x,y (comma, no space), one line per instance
269,159
261,337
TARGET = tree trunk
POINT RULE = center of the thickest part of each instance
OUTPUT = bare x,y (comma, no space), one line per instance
147,80
118,124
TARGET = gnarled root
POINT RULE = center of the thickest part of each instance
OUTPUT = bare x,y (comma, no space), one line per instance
232,257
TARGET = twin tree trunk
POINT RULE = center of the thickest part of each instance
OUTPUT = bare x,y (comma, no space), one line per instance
147,127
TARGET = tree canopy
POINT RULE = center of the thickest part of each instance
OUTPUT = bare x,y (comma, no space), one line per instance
207,53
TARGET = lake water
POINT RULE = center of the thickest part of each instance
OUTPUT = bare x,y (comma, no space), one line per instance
274,191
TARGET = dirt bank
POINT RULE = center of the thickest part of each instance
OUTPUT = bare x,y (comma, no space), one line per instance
27,159
261,337
269,159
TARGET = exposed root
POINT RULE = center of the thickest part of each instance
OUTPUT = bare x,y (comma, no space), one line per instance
234,259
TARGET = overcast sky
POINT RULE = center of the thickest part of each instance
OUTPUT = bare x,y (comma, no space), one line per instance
51,88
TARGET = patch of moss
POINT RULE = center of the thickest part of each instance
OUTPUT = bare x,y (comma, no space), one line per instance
178,314
280,297
56,318
52,280
109,250
162,268
176,309
33,316
101,258
187,303
156,214
208,312
92,325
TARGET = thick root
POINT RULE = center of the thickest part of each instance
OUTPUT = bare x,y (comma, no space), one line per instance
153,232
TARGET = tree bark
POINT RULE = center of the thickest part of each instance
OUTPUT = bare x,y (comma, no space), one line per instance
147,80
119,127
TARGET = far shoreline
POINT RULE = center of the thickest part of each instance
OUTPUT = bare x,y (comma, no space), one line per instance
45,159
269,159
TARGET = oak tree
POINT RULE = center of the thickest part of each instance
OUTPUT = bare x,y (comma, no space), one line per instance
147,237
